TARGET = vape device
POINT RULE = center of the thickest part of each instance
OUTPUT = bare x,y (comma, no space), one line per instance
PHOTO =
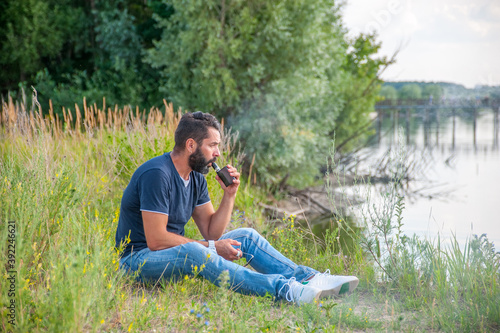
223,174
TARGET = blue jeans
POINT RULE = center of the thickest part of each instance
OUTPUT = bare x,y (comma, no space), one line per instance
272,269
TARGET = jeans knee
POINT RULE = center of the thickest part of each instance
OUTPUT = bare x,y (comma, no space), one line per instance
249,232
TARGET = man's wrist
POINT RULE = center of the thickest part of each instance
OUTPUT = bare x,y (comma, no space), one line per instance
211,246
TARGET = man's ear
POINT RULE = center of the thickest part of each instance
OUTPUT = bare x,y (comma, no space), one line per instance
191,145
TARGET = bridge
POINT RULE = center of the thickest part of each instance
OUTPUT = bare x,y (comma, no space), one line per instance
432,114
445,103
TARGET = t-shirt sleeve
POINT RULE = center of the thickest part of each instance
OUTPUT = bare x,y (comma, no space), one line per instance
154,192
203,190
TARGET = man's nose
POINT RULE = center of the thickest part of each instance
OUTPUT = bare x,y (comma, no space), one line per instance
217,152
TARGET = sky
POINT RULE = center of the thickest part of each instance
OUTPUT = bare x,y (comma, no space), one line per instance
438,40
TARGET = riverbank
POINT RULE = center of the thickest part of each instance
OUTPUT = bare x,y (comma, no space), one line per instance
61,189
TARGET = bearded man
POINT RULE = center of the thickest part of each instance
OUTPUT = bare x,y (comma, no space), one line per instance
166,191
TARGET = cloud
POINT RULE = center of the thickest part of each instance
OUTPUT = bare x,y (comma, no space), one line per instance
367,16
450,40
459,22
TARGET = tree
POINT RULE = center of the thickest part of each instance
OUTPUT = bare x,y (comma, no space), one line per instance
277,71
359,90
434,90
389,92
69,49
281,73
35,32
410,91
214,55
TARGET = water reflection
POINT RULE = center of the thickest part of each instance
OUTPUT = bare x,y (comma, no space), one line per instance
452,174
344,231
461,148
436,126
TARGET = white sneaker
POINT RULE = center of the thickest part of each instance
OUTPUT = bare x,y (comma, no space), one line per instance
300,293
332,285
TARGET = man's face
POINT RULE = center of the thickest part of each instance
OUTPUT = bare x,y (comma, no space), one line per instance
205,154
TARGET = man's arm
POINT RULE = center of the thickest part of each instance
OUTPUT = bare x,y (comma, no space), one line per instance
210,223
158,238
213,223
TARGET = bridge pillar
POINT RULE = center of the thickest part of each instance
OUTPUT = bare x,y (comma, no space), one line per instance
474,128
453,112
408,117
496,126
437,127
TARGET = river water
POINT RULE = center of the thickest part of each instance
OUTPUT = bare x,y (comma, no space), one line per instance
455,188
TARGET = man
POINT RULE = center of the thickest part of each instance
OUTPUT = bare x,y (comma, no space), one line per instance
167,190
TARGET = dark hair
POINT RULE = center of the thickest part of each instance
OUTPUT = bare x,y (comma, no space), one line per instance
194,126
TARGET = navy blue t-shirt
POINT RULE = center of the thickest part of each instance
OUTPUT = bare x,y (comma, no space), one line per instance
156,186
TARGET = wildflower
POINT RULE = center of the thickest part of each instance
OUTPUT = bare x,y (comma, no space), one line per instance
199,315
192,311
207,323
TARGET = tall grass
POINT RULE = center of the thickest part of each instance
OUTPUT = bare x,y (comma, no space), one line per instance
61,184
457,286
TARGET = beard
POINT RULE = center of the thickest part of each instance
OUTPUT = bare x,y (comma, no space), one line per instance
198,162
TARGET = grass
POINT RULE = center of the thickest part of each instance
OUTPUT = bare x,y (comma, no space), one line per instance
61,184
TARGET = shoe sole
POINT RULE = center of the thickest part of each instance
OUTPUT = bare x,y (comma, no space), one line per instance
342,289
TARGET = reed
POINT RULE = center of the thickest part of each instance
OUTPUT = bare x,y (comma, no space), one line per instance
61,184
456,285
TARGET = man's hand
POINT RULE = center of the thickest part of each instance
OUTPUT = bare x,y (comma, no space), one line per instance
233,188
226,250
